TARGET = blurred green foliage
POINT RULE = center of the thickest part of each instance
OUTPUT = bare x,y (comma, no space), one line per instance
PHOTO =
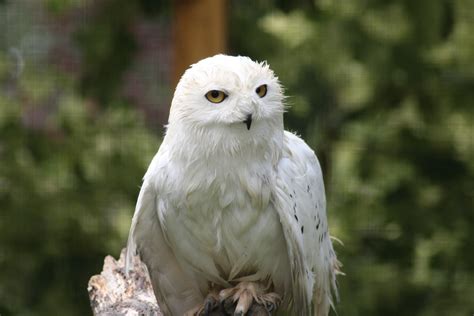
382,90
69,176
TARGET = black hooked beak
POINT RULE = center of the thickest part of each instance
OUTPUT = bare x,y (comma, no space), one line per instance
248,121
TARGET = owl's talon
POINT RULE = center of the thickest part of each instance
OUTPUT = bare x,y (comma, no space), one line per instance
244,294
228,306
210,304
269,307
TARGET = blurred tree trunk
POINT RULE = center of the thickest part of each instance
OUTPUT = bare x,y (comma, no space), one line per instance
200,30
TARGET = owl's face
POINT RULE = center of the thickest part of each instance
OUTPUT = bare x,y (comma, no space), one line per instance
228,94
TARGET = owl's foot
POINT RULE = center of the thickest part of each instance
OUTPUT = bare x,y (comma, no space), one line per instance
238,300
210,304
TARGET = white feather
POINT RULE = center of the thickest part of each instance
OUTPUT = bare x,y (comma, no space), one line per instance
221,203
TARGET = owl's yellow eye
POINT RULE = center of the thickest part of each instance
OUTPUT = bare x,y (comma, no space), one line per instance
216,96
262,90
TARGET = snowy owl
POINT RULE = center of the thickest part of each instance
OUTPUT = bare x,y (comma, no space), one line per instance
232,208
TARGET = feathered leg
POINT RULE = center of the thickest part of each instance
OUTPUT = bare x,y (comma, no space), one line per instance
238,300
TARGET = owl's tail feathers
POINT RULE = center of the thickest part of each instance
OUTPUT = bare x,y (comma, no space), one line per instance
144,206
324,297
336,269
130,253
326,293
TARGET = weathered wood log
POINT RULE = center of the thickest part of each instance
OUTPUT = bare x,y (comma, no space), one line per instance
112,292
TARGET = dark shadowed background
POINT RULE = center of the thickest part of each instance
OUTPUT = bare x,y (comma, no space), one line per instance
382,90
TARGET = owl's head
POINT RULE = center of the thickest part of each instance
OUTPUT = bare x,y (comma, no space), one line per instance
230,95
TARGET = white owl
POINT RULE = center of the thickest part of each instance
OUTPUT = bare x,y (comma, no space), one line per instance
232,207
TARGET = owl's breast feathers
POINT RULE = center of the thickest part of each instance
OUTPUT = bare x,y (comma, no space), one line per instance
246,218
219,217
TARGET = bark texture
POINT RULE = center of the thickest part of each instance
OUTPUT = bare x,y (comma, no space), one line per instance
113,293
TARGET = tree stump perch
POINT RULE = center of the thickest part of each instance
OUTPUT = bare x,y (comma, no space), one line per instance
112,292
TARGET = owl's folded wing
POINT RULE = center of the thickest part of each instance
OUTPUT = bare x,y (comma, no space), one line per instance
301,204
174,291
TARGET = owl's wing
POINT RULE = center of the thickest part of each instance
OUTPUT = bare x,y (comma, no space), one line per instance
301,204
174,291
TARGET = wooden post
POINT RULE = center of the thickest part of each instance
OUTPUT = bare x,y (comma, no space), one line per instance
200,30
